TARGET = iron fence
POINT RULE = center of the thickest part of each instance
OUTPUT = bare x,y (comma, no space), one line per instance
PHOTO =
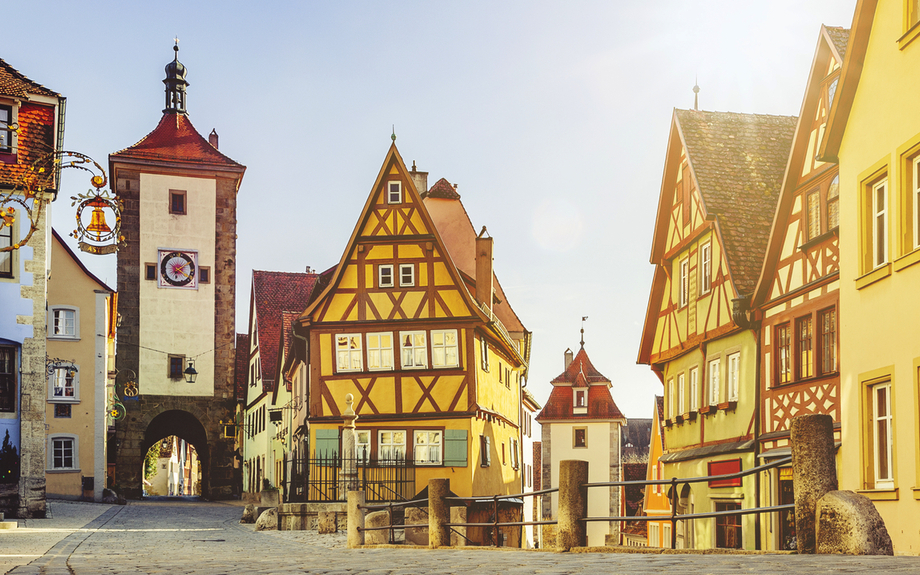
321,478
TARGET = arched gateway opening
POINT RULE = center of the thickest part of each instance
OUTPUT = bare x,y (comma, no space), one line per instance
160,433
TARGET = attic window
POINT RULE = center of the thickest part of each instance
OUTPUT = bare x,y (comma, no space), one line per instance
394,192
581,398
385,275
6,134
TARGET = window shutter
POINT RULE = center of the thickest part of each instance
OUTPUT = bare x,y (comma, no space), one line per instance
327,443
455,448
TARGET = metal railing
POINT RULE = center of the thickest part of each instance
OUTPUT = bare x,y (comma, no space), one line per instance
320,478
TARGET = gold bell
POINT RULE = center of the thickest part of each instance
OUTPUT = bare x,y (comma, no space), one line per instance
97,224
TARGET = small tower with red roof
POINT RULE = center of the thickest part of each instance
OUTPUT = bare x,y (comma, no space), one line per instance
581,421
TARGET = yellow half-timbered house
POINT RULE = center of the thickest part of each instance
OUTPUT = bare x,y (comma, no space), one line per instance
721,180
423,340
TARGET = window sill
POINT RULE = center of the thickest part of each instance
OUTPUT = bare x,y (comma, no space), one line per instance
728,406
62,471
880,494
916,491
668,423
8,158
72,400
818,239
907,260
875,275
705,410
63,338
691,416
909,36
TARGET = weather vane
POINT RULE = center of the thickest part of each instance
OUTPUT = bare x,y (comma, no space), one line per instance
583,318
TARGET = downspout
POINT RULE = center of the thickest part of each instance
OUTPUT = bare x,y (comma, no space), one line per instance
306,398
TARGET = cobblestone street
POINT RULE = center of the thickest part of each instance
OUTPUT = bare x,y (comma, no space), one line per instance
206,538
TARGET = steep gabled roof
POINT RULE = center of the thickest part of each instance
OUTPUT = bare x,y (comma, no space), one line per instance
840,37
241,365
738,161
274,293
581,364
14,84
560,405
176,140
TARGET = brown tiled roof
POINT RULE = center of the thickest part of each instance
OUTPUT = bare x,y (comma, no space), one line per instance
560,403
659,407
241,365
840,37
738,161
16,85
275,293
176,140
441,189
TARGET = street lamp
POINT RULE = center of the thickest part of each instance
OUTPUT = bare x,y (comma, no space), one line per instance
190,373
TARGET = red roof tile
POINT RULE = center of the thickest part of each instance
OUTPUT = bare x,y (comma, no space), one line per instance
287,336
441,189
580,364
241,365
560,405
176,140
14,83
275,293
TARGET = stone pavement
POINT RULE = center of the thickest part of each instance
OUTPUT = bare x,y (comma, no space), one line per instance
207,538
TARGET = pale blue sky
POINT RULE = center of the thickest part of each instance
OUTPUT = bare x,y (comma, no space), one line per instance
551,116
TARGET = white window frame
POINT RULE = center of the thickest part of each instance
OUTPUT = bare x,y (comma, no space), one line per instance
580,394
355,356
406,275
681,394
74,445
444,348
879,223
380,355
884,470
915,192
515,453
684,296
13,145
394,192
484,353
734,374
705,268
363,444
53,313
694,388
59,375
385,276
428,446
654,538
417,351
713,379
388,451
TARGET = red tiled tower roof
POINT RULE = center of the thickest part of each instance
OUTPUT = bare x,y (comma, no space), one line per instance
274,293
241,365
175,140
580,373
441,189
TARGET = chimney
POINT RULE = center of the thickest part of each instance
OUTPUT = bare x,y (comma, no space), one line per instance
569,356
419,179
212,138
484,268
309,271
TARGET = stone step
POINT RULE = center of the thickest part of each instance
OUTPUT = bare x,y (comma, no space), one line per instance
9,524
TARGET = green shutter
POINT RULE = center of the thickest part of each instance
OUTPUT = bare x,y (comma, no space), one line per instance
327,443
455,448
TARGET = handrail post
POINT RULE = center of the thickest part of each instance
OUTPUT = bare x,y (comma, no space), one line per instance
495,521
355,520
438,513
673,513
571,529
390,518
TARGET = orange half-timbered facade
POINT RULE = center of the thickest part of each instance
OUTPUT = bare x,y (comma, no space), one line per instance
722,177
797,296
420,345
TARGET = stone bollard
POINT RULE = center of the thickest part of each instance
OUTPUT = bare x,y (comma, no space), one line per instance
438,513
814,472
571,531
355,519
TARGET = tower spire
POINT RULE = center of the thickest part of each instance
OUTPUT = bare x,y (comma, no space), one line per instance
696,94
175,84
583,318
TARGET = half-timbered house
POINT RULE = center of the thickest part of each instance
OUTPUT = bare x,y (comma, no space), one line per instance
797,294
721,180
413,324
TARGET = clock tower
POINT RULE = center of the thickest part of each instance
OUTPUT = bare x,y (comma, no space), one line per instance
176,290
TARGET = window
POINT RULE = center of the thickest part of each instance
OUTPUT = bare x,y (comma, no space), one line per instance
694,389
803,347
444,348
348,352
8,372
671,411
363,444
414,349
654,538
63,453
914,182
6,258
406,275
734,373
485,451
833,205
394,192
177,202
881,435
508,377
813,203
728,527
391,445
580,437
385,275
783,354
252,375
827,319
714,382
64,322
63,383
176,366
427,447
62,410
150,271
681,395
379,351
515,457
684,282
580,398
6,134
204,275
484,353
913,13
504,460
879,242
666,535
705,268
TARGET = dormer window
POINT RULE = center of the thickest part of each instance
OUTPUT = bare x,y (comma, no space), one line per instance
394,192
581,398
6,133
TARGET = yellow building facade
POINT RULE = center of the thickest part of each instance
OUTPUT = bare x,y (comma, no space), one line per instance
874,133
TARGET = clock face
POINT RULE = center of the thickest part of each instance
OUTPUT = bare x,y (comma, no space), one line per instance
178,269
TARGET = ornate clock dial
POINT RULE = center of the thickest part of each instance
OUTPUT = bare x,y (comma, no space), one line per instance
177,269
